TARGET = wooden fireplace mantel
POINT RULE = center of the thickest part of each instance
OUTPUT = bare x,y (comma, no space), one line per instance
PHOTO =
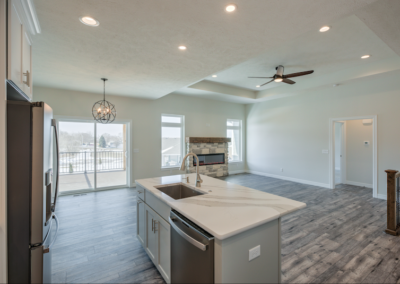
207,140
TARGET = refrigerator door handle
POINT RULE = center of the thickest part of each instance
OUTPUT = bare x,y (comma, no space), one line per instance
54,124
46,250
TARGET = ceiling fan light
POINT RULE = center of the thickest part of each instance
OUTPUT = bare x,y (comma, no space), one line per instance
278,80
365,56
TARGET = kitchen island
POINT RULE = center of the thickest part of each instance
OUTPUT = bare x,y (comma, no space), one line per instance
239,218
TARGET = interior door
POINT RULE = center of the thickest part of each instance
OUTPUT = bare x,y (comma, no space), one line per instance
339,153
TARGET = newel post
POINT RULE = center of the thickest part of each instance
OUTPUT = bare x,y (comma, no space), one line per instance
391,203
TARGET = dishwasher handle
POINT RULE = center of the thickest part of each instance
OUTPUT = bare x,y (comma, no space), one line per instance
194,242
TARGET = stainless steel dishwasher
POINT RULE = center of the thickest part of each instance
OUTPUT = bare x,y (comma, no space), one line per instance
192,251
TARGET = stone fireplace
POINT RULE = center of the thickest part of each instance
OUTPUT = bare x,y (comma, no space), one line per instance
212,153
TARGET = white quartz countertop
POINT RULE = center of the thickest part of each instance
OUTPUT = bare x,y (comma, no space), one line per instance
228,209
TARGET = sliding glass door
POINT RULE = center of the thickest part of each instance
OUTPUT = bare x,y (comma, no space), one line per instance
111,155
93,155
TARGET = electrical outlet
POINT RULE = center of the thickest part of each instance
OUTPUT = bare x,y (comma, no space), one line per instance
254,253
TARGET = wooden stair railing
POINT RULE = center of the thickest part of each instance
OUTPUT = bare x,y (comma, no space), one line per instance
393,191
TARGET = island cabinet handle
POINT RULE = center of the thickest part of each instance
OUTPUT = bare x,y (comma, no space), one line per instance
152,225
155,228
194,242
140,192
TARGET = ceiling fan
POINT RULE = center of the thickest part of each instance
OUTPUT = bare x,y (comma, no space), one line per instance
279,77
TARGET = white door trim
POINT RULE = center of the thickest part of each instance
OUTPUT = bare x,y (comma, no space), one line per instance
374,149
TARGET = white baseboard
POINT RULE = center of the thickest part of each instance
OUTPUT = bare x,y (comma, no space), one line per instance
290,179
359,184
237,172
381,196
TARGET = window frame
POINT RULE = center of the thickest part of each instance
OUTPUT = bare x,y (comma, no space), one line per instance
240,128
171,124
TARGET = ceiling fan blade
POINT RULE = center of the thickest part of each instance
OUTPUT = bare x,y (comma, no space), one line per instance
279,70
288,81
267,83
298,74
261,77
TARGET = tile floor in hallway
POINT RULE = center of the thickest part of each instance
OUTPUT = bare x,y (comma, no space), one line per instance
337,238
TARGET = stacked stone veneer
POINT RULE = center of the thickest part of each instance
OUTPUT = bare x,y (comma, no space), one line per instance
208,146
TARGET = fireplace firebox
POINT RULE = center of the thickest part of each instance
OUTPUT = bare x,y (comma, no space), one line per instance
210,159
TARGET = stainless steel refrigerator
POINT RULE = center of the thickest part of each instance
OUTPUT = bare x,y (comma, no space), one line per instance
32,225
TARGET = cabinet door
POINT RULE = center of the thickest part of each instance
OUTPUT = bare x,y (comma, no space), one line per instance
141,222
14,46
26,64
151,237
163,230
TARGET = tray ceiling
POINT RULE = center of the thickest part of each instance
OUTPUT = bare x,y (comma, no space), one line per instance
136,44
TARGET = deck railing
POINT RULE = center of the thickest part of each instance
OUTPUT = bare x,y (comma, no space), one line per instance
393,202
83,162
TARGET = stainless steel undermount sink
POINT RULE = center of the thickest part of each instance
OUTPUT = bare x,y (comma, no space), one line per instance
178,191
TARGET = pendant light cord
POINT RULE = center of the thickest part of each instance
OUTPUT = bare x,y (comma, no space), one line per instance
104,90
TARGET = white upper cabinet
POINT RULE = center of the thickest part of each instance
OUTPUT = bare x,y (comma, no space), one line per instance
14,50
26,64
22,25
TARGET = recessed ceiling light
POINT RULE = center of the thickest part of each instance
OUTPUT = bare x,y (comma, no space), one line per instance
324,29
89,21
278,80
230,8
258,86
366,56
214,76
182,47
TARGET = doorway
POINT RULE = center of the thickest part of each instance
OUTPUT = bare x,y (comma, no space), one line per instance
93,156
343,167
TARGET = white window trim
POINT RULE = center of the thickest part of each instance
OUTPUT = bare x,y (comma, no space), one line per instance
168,124
240,128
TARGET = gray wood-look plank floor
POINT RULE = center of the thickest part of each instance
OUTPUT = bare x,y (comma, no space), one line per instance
337,238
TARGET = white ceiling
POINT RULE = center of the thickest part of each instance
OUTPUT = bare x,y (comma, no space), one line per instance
335,56
135,45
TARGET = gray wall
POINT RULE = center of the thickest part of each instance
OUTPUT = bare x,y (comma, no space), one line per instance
146,121
359,157
290,133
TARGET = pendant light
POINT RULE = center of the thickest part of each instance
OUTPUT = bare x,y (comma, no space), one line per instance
104,111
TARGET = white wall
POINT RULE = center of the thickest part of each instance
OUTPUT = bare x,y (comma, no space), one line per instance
359,157
146,121
290,133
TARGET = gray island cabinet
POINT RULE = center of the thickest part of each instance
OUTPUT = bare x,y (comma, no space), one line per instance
244,222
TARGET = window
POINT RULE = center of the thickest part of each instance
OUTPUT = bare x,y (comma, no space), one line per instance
234,131
172,140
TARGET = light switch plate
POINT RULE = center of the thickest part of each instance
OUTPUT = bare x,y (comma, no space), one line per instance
325,151
254,253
